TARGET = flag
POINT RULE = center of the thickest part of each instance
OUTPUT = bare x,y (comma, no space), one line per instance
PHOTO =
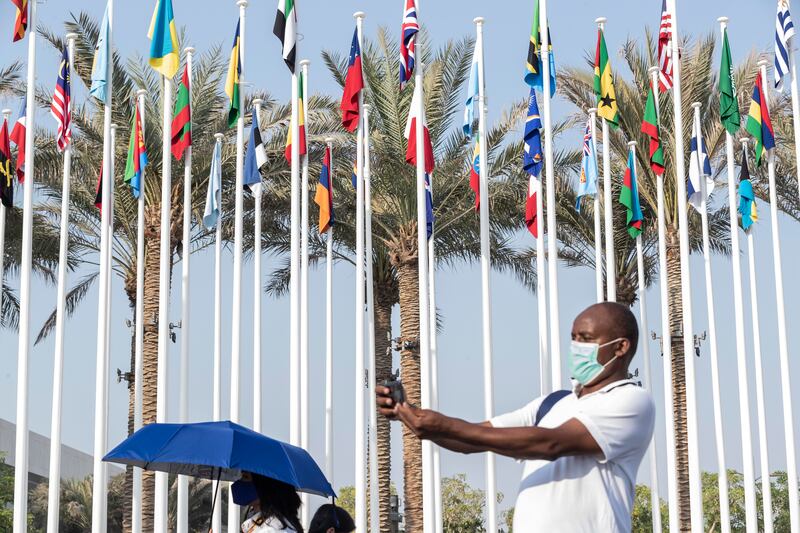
784,30
163,40
6,178
137,156
629,197
182,118
651,129
532,158
61,106
429,217
352,87
473,91
285,29
102,51
747,198
98,196
18,138
759,124
232,82
408,39
21,24
411,135
587,186
301,116
475,173
531,213
728,105
354,175
693,187
255,158
324,195
665,49
533,75
213,197
604,84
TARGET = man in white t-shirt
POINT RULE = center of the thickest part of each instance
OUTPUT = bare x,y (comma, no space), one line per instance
581,449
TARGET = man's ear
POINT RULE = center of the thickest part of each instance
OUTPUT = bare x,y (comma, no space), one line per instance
623,347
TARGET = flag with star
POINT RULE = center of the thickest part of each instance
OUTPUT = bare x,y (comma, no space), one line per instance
604,84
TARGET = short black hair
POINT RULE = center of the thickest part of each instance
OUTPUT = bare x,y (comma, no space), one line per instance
620,321
330,516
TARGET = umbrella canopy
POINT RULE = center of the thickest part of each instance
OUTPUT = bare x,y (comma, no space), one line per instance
219,450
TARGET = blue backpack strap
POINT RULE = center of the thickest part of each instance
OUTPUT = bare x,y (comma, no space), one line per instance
549,401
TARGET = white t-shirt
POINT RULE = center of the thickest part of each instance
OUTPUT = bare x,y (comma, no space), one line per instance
273,525
586,493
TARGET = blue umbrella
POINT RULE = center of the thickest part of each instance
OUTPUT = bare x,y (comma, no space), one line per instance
219,451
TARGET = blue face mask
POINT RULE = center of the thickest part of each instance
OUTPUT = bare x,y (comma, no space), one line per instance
243,492
583,362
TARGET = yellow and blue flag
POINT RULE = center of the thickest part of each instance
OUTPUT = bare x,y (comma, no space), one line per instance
164,40
232,81
759,124
747,197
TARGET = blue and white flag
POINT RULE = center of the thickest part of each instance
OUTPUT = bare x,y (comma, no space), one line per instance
254,159
587,186
784,30
213,198
473,90
102,51
532,157
429,216
693,188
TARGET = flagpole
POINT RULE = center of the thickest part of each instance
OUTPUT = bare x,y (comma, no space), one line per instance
795,116
183,481
748,470
294,267
257,235
216,405
329,336
101,373
109,261
360,436
136,506
545,385
486,290
598,231
54,489
6,113
695,488
437,460
724,505
236,313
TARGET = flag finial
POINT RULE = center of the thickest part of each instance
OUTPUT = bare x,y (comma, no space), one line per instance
601,22
257,102
359,15
242,3
723,21
219,137
6,113
190,49
328,140
631,144
141,92
653,70
479,20
696,105
591,110
305,62
71,36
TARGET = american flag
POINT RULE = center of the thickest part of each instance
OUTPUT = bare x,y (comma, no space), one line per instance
408,34
60,108
665,49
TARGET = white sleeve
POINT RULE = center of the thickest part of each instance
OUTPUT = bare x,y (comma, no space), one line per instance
620,423
523,417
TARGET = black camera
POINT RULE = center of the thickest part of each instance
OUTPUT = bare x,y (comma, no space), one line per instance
397,392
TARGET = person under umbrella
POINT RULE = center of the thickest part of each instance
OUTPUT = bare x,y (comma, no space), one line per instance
272,505
331,519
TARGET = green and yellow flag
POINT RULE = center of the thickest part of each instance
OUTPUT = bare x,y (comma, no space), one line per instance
232,82
163,40
604,84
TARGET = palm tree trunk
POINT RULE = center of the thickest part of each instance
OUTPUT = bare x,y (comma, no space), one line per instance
408,279
127,491
384,300
678,376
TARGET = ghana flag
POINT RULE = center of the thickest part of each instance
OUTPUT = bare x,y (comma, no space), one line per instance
232,83
629,197
604,84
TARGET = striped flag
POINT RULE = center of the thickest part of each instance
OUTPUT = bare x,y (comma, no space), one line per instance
784,30
21,23
604,84
665,49
18,138
475,173
98,195
473,91
285,29
232,82
629,198
61,106
213,197
353,84
532,160
301,119
759,124
747,197
429,216
531,213
137,156
102,51
698,172
6,177
164,40
182,118
587,186
411,135
533,75
408,38
324,195
651,129
255,158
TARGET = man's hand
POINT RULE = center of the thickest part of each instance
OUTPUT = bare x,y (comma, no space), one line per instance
423,423
386,405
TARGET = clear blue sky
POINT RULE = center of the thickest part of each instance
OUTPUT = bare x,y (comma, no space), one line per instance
326,24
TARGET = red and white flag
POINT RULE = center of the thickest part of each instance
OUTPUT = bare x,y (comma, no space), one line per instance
665,49
531,213
18,138
61,106
411,135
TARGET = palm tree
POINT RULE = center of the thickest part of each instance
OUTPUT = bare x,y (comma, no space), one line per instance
576,231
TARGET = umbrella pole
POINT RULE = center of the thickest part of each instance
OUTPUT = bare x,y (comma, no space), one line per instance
215,486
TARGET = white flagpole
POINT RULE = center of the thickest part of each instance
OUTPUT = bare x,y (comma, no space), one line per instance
486,264
666,339
236,313
552,237
186,250
783,342
695,489
216,399
545,384
101,373
109,261
54,488
598,228
748,471
655,501
304,398
437,460
329,337
611,264
294,277
374,516
725,521
257,230
766,487
6,113
360,436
